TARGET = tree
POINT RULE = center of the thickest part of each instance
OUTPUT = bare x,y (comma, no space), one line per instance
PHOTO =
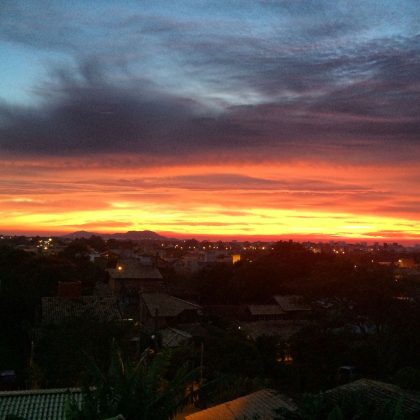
140,391
60,350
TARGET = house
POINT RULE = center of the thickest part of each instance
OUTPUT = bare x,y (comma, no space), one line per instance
380,393
174,337
130,275
193,261
292,306
265,312
227,312
69,303
56,309
189,263
94,256
406,263
260,405
159,310
46,404
283,329
183,334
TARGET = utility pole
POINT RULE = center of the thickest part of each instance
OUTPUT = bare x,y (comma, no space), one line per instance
201,362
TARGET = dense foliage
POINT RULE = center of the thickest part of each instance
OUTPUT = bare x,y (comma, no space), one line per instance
24,279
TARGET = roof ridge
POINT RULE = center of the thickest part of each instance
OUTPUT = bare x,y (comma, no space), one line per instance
173,297
39,391
185,301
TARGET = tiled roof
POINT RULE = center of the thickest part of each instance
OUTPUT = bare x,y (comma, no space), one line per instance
46,404
291,303
134,269
167,305
195,330
379,392
261,404
172,337
56,309
231,312
265,310
275,328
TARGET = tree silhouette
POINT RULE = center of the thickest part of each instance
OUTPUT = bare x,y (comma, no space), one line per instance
140,391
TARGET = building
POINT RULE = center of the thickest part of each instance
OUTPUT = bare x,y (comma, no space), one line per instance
45,404
174,337
292,306
265,312
260,405
130,275
406,263
380,393
56,309
70,304
282,329
160,310
227,312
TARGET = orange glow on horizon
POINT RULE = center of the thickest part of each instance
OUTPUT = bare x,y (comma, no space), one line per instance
269,199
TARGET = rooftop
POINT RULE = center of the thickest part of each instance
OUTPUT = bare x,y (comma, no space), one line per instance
275,328
167,305
173,337
380,392
232,312
46,404
291,303
56,309
261,404
134,269
265,310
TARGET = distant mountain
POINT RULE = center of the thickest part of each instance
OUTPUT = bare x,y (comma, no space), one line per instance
138,235
81,234
134,235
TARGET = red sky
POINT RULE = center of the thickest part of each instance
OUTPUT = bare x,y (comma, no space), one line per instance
271,199
275,119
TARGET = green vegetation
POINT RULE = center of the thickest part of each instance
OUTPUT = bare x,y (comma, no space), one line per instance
135,391
58,362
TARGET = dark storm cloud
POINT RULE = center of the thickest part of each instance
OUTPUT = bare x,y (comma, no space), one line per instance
313,85
87,112
88,115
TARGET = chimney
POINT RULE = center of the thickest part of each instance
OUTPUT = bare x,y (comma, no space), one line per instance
69,289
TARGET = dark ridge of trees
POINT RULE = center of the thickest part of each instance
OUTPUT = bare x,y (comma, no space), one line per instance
24,279
291,269
61,350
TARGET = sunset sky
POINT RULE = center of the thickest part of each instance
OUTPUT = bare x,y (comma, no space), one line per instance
271,119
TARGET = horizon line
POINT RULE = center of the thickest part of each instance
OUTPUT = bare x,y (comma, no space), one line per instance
168,235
